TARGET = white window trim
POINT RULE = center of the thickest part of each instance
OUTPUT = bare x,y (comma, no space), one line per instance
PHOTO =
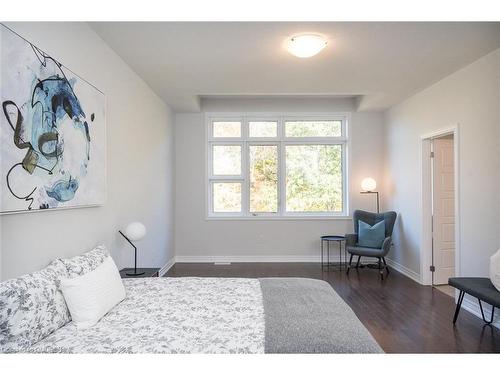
281,141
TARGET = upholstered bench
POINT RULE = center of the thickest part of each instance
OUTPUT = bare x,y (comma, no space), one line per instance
479,287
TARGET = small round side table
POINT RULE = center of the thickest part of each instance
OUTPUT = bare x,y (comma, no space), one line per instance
328,239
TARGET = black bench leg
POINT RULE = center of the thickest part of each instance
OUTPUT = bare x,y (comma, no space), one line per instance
459,304
482,313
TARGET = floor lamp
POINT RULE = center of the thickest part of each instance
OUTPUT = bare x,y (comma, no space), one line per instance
368,186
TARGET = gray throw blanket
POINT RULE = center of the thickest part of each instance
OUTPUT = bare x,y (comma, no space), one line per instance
308,316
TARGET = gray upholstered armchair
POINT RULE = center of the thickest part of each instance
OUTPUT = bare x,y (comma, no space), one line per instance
371,218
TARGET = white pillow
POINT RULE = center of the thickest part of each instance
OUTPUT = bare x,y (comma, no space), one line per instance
91,296
495,269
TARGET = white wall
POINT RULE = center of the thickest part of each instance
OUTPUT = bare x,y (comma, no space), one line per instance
139,165
469,98
199,239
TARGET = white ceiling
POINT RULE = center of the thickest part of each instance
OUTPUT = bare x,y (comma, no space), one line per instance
380,63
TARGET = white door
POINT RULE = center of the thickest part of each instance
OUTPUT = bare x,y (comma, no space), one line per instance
443,223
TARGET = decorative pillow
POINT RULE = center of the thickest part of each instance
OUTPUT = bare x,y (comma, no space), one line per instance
371,236
91,296
89,261
32,307
495,270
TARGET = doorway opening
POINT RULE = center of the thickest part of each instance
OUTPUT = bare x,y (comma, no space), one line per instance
440,211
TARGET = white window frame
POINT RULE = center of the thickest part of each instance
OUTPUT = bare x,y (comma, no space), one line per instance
281,141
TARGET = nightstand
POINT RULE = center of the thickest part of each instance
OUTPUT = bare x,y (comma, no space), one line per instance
148,272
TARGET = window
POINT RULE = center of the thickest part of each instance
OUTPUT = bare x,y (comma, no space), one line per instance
313,128
227,196
226,129
263,174
277,166
313,178
263,129
226,160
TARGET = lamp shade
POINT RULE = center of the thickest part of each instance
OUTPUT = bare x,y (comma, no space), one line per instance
135,231
368,184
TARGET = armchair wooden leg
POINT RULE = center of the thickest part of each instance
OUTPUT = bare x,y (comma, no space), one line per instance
357,263
380,270
386,266
349,265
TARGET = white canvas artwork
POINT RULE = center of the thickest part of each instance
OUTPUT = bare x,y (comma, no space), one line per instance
52,132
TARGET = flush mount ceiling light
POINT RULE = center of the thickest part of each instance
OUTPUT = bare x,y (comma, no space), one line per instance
306,45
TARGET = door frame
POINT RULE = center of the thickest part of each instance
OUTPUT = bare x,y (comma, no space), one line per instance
426,201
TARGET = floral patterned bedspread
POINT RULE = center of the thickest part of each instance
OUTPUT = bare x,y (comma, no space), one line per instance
172,315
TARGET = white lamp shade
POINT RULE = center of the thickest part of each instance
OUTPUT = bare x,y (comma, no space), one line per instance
368,184
306,45
135,231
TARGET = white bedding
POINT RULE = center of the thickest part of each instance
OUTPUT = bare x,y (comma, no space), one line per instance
172,315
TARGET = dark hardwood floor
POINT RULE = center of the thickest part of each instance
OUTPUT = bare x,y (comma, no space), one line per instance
402,315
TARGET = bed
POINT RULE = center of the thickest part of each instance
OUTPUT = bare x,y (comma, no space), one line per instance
217,315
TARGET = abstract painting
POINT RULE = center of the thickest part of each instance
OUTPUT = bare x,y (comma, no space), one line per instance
52,132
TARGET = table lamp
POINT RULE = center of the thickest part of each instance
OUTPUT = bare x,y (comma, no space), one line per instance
133,233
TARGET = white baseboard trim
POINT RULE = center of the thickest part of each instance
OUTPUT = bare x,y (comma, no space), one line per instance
251,258
166,267
471,305
404,270
285,259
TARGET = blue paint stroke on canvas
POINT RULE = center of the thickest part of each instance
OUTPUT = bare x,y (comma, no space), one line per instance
53,117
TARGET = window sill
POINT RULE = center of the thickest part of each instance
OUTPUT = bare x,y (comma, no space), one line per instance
277,218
